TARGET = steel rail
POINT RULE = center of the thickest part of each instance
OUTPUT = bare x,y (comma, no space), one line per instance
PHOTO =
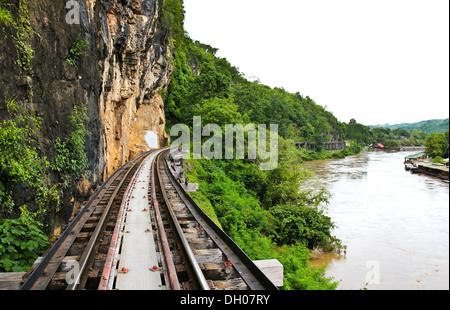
43,273
250,273
107,268
99,228
203,284
171,269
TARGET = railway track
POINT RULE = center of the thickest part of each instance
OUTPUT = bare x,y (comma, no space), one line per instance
141,230
76,259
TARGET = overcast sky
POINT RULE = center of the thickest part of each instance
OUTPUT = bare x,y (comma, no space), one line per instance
378,61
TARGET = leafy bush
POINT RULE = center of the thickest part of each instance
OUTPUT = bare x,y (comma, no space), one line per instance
21,242
5,16
206,206
20,164
437,145
299,223
230,189
71,158
438,160
298,274
77,50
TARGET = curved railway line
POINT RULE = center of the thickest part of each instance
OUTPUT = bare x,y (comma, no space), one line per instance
141,230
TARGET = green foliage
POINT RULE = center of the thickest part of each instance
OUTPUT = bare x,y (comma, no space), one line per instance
299,223
78,49
446,147
288,183
203,84
438,160
20,239
23,37
428,126
437,144
299,275
292,112
20,163
199,77
397,137
21,242
171,20
221,112
71,158
231,189
358,132
5,16
21,166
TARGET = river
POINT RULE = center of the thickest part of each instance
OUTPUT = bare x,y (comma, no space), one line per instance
395,224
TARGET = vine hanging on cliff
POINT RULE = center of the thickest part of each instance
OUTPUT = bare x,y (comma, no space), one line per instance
71,158
22,36
77,50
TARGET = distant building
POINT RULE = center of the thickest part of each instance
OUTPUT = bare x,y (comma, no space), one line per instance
411,159
378,146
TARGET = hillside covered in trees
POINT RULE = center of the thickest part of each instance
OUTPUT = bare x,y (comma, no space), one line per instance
428,126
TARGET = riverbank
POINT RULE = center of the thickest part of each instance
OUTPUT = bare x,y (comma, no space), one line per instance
310,155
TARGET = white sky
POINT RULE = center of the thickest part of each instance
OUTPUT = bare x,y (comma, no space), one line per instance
378,61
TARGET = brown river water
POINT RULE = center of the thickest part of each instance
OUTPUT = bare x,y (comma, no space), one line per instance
395,224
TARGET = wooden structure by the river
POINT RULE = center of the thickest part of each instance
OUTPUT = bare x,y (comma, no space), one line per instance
411,159
328,146
434,169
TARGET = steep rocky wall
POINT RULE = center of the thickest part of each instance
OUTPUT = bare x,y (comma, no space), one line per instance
135,68
126,65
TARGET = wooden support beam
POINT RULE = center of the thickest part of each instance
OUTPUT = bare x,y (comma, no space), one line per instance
273,269
11,280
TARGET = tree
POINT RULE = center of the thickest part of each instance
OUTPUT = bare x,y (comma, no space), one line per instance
299,223
446,151
220,111
358,132
436,145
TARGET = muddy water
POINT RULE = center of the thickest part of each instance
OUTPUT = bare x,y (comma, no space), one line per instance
395,224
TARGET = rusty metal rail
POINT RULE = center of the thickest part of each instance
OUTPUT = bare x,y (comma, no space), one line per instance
200,279
94,215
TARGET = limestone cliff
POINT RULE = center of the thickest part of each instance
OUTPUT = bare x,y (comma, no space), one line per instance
135,68
127,63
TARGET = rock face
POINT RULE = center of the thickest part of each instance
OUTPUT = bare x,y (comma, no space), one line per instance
134,69
127,64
